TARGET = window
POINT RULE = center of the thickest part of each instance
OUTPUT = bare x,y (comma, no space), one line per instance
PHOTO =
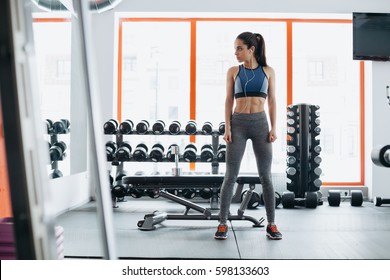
312,61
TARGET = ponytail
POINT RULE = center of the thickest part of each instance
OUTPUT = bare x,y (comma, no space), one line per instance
260,50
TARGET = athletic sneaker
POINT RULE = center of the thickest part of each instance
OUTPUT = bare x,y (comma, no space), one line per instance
221,233
273,233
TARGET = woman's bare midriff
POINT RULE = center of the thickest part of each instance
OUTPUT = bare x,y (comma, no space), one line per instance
249,105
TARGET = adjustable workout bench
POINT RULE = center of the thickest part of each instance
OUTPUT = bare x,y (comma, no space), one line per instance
161,183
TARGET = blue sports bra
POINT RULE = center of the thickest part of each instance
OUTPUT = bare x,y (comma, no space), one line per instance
256,83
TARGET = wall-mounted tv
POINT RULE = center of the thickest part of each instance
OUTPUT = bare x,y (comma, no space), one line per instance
371,36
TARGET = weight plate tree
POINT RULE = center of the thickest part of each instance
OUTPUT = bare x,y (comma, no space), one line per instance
303,156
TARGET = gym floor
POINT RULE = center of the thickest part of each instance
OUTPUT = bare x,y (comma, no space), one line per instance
343,232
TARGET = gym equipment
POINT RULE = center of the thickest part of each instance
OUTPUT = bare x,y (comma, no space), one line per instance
61,127
110,127
142,127
189,193
175,151
119,190
170,155
221,153
303,158
190,153
207,128
57,151
56,173
158,127
110,150
206,153
335,197
140,152
191,127
174,128
380,155
157,152
49,126
126,127
278,199
162,183
378,201
123,153
206,193
221,128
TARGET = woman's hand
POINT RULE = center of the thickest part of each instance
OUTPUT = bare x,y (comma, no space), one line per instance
227,136
272,136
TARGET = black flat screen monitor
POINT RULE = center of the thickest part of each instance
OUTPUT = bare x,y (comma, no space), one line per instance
371,36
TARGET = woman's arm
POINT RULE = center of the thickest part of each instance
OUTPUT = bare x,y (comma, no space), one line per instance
271,104
229,102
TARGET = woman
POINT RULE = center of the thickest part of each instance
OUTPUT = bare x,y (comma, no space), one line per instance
250,85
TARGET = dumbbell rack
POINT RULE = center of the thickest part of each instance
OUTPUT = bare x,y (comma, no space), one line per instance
303,157
215,134
54,139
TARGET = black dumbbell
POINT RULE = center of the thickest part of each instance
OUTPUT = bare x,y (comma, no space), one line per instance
57,151
140,152
170,156
190,153
189,193
206,153
119,189
207,128
157,152
174,128
254,201
378,201
142,127
158,127
334,197
123,153
278,199
56,173
153,193
221,128
205,193
110,127
126,127
221,153
61,126
191,127
49,126
110,150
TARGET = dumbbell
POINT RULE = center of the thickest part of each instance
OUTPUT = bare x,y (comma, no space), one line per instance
120,190
174,128
56,173
158,127
378,201
157,152
334,197
57,151
206,153
190,153
142,127
278,199
170,156
49,125
61,126
153,193
205,193
110,150
189,193
221,153
191,127
254,201
221,128
126,127
140,152
110,126
207,128
123,153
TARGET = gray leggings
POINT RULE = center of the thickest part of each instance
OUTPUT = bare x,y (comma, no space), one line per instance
243,127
